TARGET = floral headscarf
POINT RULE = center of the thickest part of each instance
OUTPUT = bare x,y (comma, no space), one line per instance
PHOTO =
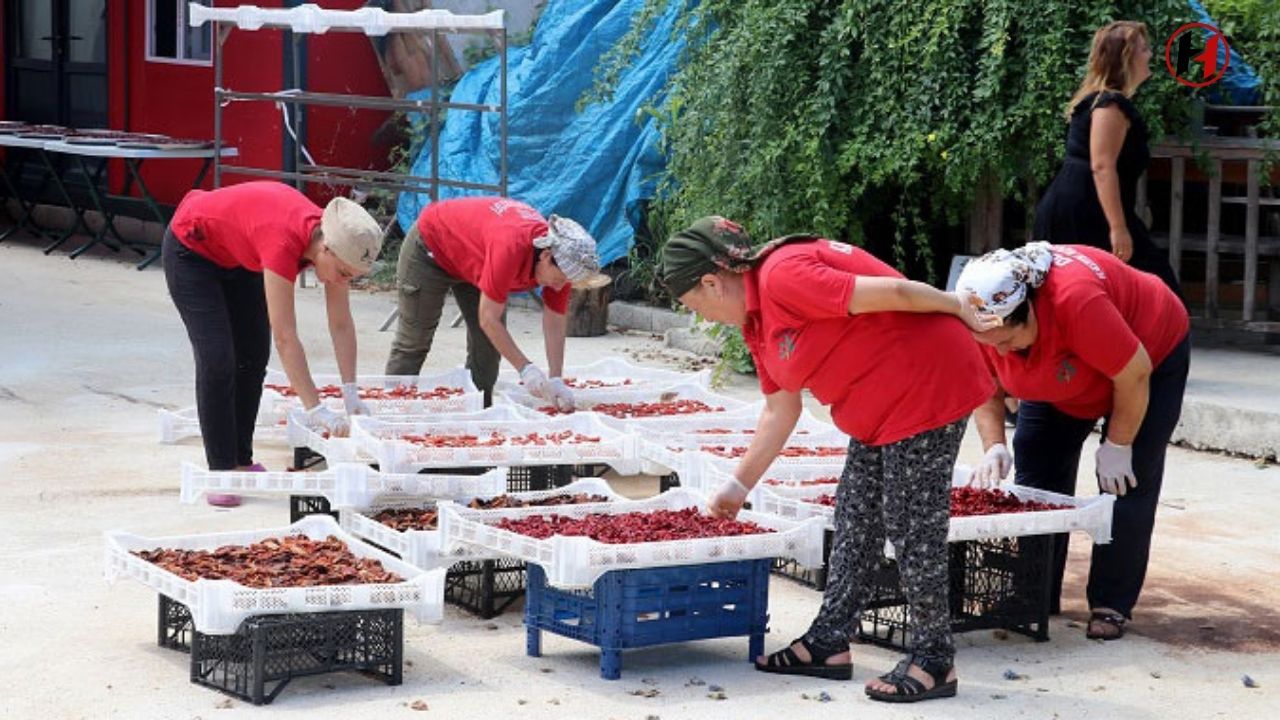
999,281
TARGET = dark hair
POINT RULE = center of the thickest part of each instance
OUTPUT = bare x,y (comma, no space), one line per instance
1020,313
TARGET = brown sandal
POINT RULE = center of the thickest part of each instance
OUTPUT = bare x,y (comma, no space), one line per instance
1106,619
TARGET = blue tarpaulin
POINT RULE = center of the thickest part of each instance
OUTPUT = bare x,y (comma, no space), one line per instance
1239,85
596,166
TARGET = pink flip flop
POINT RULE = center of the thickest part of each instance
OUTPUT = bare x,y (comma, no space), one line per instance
230,501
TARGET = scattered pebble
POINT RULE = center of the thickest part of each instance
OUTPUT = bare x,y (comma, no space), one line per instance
546,670
695,682
823,697
1099,688
646,692
329,686
1011,674
1156,674
998,696
224,705
717,695
491,626
649,681
1042,689
652,717
715,688
408,663
1248,681
554,701
1000,634
418,705
522,701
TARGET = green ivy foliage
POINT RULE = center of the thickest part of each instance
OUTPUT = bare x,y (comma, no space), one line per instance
1253,27
832,116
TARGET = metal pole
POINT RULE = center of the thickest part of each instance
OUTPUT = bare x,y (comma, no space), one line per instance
435,113
217,105
502,114
299,111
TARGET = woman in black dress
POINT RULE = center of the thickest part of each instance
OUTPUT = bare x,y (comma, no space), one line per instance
1091,201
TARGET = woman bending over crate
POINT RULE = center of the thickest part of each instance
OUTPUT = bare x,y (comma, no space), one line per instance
230,259
482,249
1084,337
901,375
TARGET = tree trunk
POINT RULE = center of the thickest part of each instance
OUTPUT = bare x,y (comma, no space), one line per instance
589,306
985,217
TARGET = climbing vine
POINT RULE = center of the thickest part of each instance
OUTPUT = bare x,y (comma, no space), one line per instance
860,119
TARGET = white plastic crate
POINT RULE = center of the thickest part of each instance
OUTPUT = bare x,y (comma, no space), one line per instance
276,406
219,606
382,440
425,549
1090,515
177,425
694,465
648,393
344,485
334,449
577,562
613,372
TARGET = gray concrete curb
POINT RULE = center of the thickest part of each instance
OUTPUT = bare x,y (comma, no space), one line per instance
1210,426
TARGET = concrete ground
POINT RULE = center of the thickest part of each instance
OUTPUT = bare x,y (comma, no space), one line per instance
92,348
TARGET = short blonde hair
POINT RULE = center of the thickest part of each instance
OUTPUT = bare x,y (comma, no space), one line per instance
1114,46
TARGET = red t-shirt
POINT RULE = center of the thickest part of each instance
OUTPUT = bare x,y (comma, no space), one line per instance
1092,311
887,376
251,225
488,242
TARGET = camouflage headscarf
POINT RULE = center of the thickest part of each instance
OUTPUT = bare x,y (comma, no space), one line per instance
708,245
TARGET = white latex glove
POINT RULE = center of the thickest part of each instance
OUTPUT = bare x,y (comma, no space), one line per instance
351,399
995,466
1115,468
322,418
972,316
728,499
562,395
535,381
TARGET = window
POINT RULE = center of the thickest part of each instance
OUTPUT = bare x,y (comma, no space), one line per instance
172,39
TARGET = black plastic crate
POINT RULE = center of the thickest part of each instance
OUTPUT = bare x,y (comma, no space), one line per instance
301,506
304,458
174,631
668,481
486,588
268,651
815,578
1002,583
539,477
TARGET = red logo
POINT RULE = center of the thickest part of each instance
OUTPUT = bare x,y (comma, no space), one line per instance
1210,71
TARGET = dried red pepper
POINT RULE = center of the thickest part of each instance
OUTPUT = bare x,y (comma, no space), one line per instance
292,561
633,527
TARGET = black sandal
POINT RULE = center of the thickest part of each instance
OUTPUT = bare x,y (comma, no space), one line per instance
908,689
786,662
1114,619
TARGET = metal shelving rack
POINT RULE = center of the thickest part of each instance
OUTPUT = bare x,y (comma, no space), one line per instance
310,19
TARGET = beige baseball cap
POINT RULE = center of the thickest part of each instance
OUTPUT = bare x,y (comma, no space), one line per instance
351,233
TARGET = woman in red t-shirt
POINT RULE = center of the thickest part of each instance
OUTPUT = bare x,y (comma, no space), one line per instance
230,260
901,375
1085,336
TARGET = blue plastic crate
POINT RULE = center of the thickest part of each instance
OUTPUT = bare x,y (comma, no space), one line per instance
653,606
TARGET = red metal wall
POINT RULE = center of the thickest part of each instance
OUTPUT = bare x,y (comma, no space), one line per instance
177,99
344,62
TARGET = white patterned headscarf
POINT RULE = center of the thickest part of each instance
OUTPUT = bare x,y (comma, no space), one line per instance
999,281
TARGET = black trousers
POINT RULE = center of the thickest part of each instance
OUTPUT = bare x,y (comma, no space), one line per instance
225,312
1046,451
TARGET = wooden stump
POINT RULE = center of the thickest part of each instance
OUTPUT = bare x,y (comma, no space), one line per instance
589,306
